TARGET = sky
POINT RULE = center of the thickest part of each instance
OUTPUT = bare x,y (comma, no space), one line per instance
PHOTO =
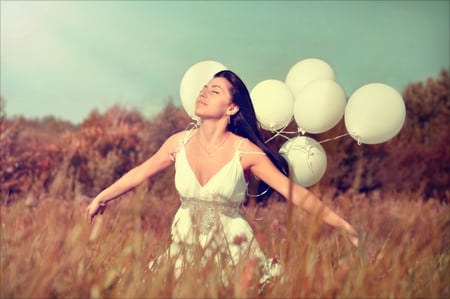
66,58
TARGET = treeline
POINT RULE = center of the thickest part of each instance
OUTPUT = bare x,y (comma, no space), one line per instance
50,157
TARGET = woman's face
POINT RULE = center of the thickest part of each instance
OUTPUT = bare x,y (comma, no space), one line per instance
214,100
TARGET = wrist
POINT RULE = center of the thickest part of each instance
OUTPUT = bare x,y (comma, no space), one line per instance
100,200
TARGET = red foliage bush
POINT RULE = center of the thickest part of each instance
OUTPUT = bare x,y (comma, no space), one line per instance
30,154
62,159
52,156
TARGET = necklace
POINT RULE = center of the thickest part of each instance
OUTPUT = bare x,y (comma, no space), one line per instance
211,153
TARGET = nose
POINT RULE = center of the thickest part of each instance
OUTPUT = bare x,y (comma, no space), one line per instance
202,92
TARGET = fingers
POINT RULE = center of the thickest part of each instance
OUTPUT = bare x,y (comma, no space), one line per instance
89,216
92,212
354,240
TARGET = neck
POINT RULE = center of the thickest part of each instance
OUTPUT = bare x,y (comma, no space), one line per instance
212,132
211,139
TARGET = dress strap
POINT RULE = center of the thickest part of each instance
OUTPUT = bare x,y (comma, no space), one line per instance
240,143
244,152
187,135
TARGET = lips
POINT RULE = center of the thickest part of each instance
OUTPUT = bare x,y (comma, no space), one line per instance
202,102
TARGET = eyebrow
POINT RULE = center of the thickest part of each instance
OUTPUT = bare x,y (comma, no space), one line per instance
212,86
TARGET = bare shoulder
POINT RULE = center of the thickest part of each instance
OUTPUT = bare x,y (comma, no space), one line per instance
250,154
176,138
248,147
174,141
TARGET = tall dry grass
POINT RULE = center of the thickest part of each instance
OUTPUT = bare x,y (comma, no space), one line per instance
396,195
49,251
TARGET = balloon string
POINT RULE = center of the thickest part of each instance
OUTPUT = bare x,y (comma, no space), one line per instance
277,133
358,139
192,125
334,138
281,133
308,149
259,194
275,136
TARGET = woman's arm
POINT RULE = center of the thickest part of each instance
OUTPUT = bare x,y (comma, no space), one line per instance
263,168
159,161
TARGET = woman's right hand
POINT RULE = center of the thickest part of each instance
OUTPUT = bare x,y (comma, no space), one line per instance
94,208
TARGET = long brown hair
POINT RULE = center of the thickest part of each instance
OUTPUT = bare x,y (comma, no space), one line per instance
244,123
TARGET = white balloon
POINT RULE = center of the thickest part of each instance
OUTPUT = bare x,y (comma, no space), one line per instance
273,103
319,106
374,113
306,71
193,81
307,159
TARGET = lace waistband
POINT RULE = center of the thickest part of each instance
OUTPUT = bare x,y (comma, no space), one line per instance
204,213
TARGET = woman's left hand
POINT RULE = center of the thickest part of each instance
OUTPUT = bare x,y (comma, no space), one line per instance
95,208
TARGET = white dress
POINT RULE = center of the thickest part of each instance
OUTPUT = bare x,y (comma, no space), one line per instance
209,217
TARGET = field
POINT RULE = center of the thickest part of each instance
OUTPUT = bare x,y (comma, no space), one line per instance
395,194
49,251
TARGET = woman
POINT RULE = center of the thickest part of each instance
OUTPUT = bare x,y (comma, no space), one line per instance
212,163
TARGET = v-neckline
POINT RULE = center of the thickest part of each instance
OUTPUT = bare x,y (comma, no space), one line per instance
213,176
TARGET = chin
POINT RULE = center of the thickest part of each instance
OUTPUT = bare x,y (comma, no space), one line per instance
198,112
